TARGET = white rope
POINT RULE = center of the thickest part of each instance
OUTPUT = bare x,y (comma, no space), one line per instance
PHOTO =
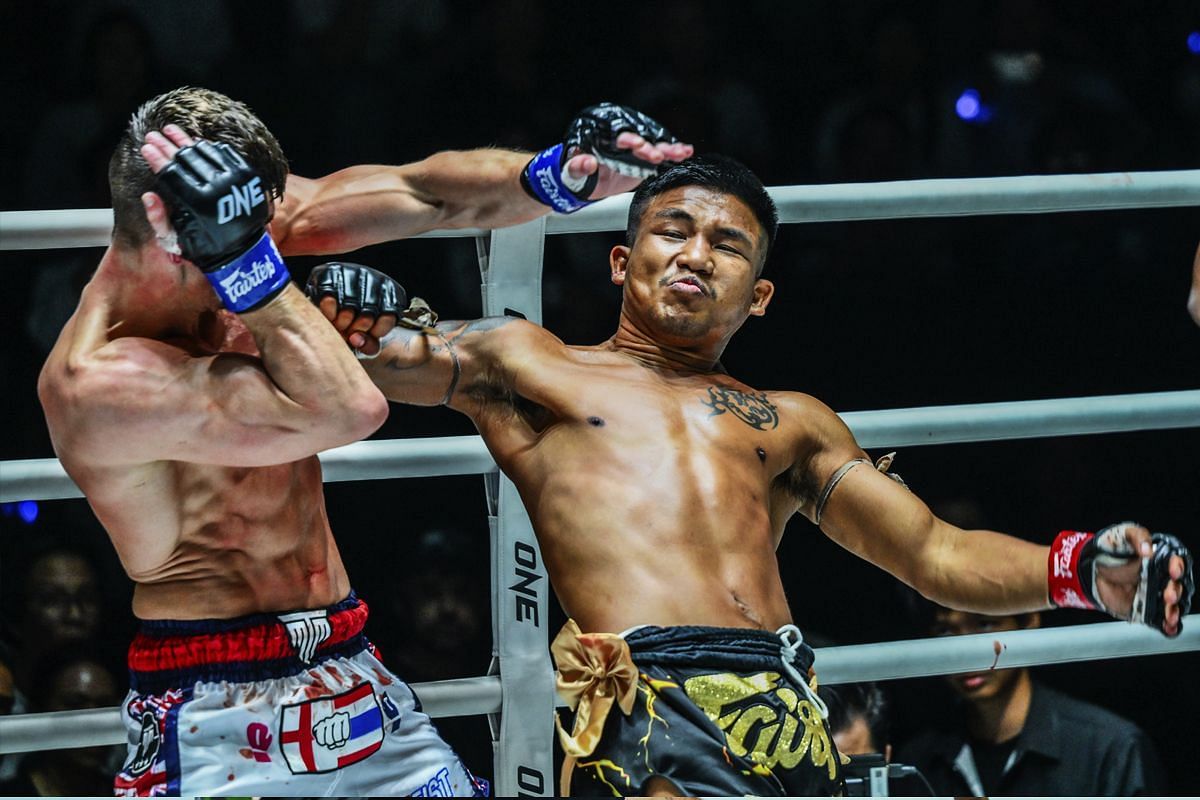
951,197
868,662
44,478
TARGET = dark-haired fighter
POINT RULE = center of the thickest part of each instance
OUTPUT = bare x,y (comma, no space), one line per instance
659,487
188,397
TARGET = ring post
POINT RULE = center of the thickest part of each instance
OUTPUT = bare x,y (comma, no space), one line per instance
510,263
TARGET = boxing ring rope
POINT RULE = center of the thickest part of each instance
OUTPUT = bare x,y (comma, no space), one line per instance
45,479
948,197
867,662
519,699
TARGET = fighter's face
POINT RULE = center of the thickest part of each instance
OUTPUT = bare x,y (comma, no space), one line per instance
977,686
692,273
63,602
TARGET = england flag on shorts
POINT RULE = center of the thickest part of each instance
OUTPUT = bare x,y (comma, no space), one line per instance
331,732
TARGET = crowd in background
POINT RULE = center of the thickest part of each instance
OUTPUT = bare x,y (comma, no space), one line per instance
867,315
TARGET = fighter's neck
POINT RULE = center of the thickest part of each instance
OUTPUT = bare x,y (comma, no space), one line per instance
637,344
147,293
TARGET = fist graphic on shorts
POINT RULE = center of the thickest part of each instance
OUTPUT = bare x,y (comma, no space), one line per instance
333,731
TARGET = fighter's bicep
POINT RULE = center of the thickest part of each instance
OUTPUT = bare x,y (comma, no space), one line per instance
877,518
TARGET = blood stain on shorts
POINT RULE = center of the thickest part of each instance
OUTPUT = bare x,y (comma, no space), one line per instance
246,752
382,677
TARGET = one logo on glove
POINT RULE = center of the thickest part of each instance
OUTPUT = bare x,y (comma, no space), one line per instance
240,200
331,733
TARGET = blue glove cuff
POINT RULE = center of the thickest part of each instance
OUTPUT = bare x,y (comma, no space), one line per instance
543,178
251,279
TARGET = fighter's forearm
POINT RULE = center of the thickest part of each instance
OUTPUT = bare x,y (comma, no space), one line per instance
309,362
369,204
984,572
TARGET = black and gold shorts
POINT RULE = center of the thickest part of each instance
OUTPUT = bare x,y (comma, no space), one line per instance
717,713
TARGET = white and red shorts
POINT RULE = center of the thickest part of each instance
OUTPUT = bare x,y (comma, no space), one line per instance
277,704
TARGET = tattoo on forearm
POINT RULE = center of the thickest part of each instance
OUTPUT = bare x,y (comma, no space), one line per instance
753,409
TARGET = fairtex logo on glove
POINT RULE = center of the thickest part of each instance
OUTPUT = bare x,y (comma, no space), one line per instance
240,200
1065,588
545,180
251,279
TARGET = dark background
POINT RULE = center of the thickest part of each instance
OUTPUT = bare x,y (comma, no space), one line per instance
866,315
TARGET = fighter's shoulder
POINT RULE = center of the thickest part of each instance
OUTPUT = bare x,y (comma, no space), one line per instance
803,410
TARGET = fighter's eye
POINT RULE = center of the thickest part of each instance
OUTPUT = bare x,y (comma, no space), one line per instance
674,234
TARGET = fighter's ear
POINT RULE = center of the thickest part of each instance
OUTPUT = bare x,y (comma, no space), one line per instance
618,260
764,290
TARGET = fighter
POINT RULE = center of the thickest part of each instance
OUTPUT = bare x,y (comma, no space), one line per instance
659,487
188,396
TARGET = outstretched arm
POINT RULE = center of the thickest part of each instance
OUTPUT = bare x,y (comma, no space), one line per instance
463,365
982,571
609,150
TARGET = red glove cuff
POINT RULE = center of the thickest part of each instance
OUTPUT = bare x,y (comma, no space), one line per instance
1066,590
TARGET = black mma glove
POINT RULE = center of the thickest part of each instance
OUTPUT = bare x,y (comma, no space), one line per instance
219,210
594,131
357,288
1075,555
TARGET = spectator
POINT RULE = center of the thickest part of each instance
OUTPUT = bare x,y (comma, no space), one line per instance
1015,736
60,604
68,678
858,719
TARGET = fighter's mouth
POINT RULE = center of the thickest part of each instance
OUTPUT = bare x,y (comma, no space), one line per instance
689,284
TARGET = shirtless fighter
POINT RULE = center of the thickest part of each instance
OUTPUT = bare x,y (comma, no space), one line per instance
659,487
188,397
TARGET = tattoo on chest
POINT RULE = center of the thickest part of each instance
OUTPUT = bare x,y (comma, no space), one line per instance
753,409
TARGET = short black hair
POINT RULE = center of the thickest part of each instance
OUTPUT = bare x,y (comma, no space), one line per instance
713,171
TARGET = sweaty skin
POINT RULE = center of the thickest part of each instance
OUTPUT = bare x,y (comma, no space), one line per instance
192,431
193,450
658,485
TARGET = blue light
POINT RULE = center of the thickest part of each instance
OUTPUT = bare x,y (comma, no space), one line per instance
1194,42
968,106
28,511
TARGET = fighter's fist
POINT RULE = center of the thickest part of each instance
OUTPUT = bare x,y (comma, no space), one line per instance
216,200
607,149
333,731
1126,571
362,303
219,211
